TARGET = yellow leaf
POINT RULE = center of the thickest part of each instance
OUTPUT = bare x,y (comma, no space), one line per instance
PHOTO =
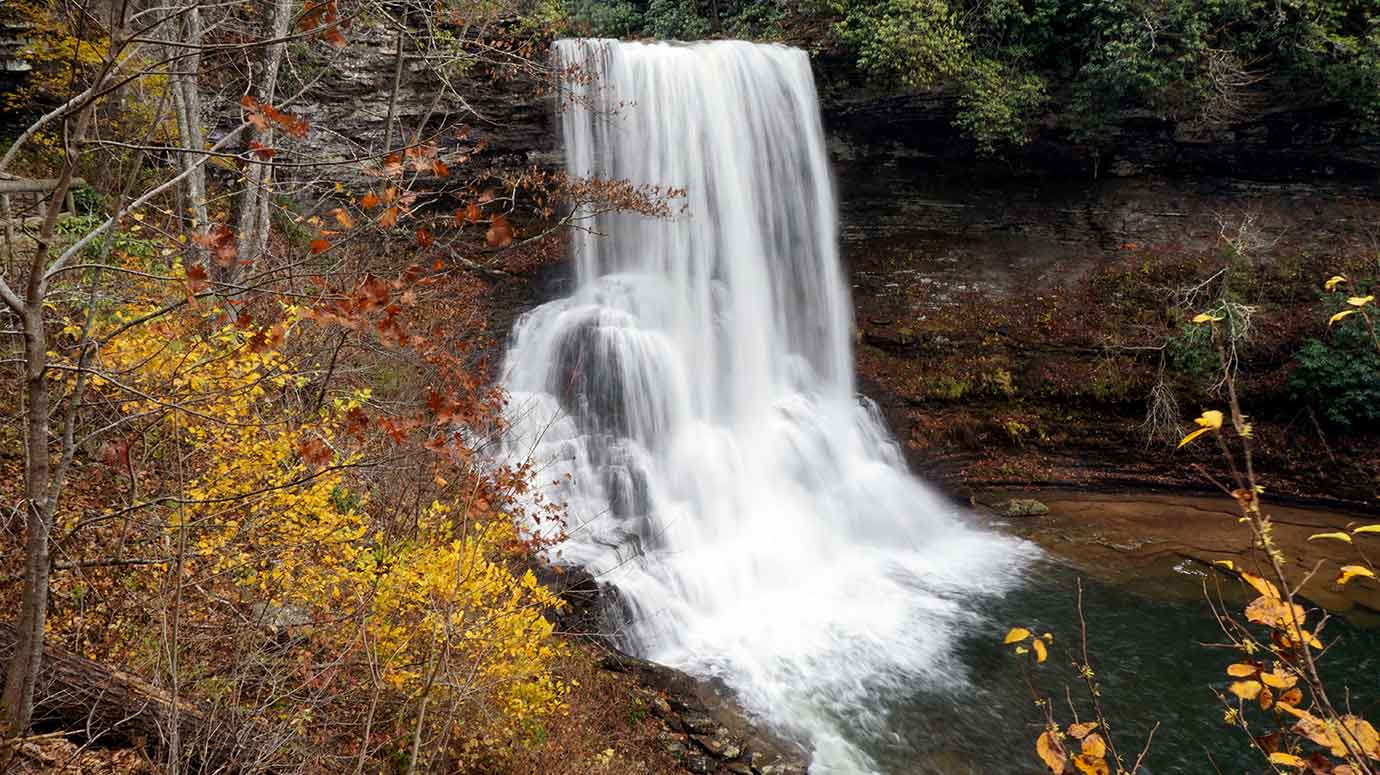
1241,671
1261,585
1364,735
1210,419
1228,564
1080,731
1279,679
1317,730
1246,690
1040,652
1093,745
1193,435
1287,760
1360,301
1204,317
1088,765
1340,315
1017,635
1367,529
1330,537
1292,697
1051,753
1273,612
1350,572
1333,282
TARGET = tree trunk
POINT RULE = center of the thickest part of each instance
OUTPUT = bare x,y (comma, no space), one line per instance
42,484
186,92
254,210
27,657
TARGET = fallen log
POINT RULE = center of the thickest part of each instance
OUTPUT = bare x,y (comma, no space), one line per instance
94,702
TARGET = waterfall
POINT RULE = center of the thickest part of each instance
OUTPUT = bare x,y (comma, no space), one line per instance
693,405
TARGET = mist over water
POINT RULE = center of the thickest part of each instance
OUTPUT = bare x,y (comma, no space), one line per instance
693,404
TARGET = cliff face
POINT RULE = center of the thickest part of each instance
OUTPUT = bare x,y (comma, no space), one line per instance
909,181
972,282
934,237
348,107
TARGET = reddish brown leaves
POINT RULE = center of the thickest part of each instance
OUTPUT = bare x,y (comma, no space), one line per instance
370,201
500,233
323,19
115,453
221,242
357,422
266,338
389,217
196,278
315,452
372,293
319,245
424,239
263,116
470,214
262,151
396,429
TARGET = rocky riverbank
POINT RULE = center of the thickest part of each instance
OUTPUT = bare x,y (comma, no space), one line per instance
704,728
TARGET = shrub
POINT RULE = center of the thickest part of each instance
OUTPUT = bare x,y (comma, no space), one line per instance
1339,376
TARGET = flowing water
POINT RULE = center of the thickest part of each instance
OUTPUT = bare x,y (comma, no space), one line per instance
693,405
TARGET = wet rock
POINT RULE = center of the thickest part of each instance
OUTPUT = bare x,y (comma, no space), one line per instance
720,746
700,724
711,745
720,730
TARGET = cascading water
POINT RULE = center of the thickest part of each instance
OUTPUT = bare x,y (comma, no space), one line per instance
693,405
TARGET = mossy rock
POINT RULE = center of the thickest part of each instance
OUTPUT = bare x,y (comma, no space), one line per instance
1022,507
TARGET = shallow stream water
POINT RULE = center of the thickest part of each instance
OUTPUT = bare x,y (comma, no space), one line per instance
1154,644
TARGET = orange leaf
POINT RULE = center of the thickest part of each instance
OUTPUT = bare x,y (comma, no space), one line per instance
319,246
1080,731
1051,753
370,200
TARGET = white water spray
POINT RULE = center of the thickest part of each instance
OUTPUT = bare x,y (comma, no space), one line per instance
697,389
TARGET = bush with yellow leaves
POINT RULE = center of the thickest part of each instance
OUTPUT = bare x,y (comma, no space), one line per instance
266,580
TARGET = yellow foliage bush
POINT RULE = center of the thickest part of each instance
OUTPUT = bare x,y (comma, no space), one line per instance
270,520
